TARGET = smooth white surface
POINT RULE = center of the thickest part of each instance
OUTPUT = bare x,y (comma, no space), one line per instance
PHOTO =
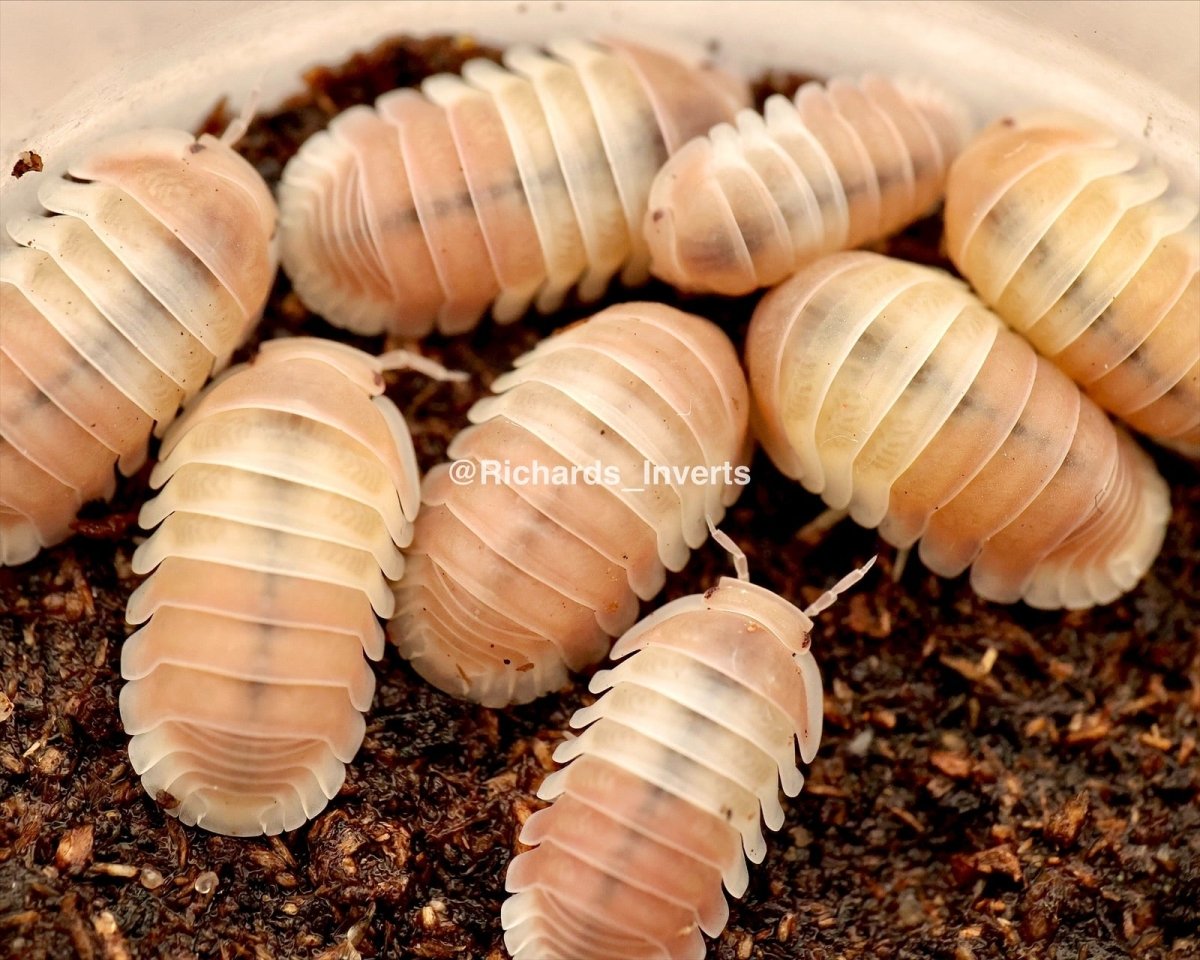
71,72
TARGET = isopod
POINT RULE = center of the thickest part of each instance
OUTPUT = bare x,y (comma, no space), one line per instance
660,800
1077,239
891,391
842,164
288,488
152,267
515,577
498,188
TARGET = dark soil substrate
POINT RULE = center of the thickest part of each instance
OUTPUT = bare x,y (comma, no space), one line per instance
994,782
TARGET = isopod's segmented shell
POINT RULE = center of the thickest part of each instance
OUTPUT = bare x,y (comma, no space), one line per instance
498,188
288,493
891,391
114,310
662,792
1076,238
841,165
511,584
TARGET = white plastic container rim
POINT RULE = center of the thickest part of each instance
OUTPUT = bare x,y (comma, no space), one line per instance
73,72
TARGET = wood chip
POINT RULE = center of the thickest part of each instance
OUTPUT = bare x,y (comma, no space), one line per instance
22,919
125,870
815,530
972,670
1041,725
1000,860
544,751
1087,728
74,849
951,764
908,818
1156,740
825,790
111,939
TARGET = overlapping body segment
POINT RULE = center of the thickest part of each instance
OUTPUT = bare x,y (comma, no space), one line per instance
840,165
151,267
888,389
499,188
664,793
1078,240
534,546
288,488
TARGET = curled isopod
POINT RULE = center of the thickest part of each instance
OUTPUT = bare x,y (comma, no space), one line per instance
594,467
152,266
505,186
1078,240
290,485
841,165
891,391
660,800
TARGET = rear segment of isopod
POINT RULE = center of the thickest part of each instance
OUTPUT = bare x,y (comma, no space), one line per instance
499,188
153,264
288,488
840,165
1077,239
891,391
534,546
665,791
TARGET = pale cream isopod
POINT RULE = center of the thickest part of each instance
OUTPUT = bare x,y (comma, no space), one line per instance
662,794
152,266
1076,237
505,186
290,485
891,391
843,164
596,466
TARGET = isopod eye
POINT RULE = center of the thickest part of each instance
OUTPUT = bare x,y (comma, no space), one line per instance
148,270
554,156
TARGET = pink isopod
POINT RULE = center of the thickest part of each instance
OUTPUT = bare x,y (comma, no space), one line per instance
1077,239
152,266
841,165
664,794
288,488
514,580
502,187
891,391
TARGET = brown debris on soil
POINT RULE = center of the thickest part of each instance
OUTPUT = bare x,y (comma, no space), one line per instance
994,782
